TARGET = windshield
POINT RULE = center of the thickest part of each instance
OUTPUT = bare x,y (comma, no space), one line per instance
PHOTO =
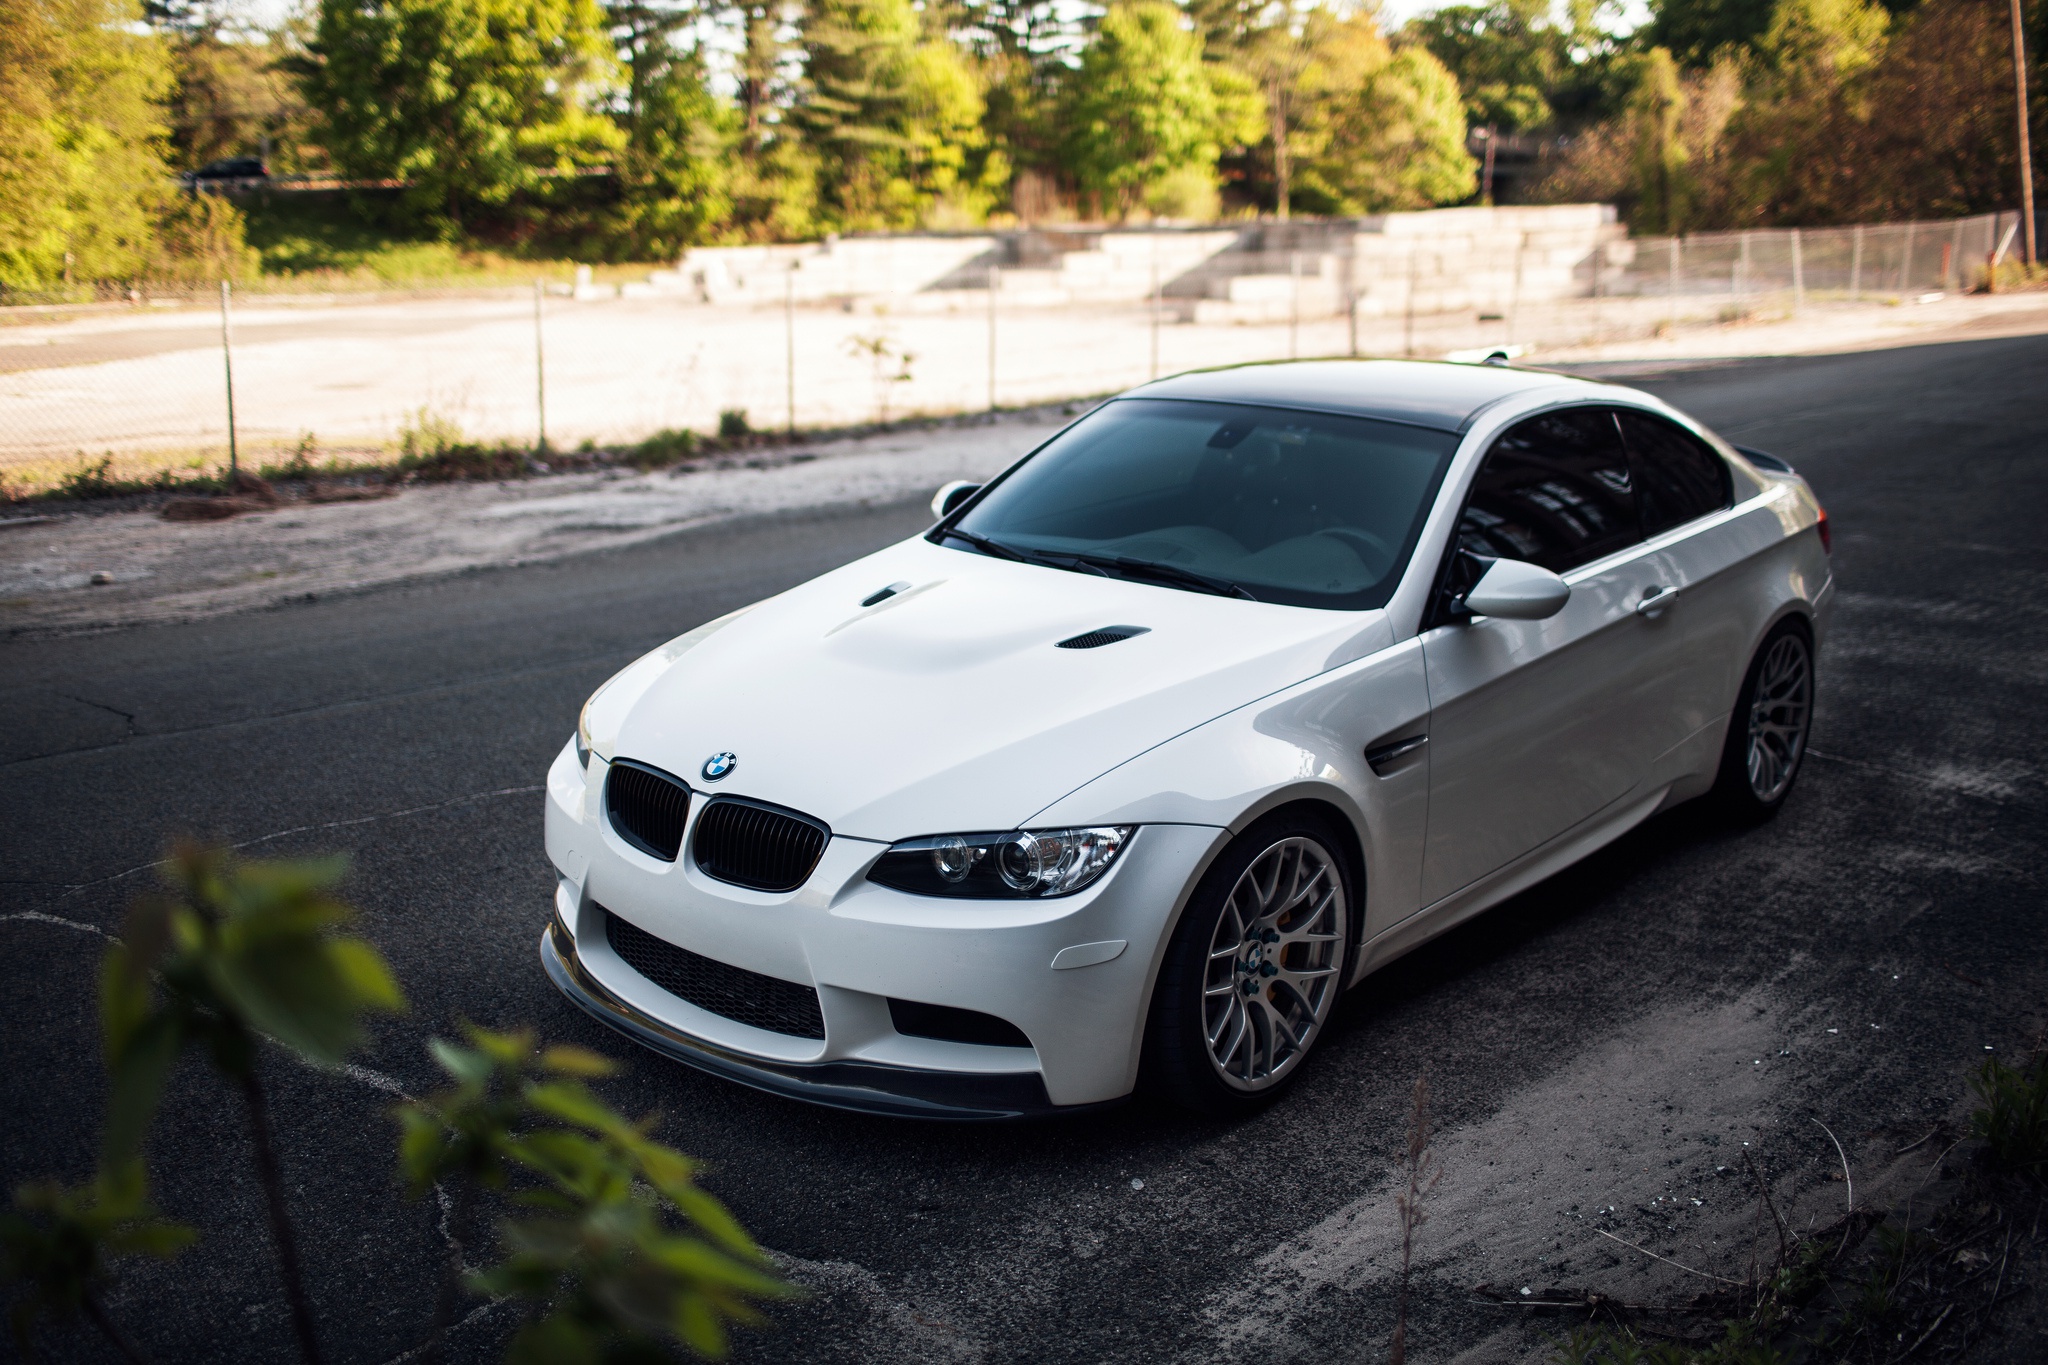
1294,507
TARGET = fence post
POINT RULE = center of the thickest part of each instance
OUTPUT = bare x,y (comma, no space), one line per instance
1408,314
995,278
540,375
1952,260
1856,263
1671,287
1515,292
789,348
1742,269
1155,303
1293,303
227,360
1906,260
1798,275
1351,296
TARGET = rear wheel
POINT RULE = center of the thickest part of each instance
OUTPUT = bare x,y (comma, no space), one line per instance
1768,729
1255,967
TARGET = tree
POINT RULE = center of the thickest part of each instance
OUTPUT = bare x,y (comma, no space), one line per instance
672,181
1657,116
1379,129
1507,58
1695,30
469,102
1143,110
894,117
82,173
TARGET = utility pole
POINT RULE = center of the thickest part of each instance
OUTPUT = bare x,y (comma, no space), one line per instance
227,360
2019,81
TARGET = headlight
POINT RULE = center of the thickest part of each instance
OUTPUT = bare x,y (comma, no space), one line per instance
1021,863
583,737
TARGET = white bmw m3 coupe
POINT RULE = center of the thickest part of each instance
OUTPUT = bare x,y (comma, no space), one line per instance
1241,686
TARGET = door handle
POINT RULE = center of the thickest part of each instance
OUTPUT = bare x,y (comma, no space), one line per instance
1655,599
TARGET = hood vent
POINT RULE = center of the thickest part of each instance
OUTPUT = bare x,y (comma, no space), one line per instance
1107,635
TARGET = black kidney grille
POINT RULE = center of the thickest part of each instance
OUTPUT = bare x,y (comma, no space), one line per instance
763,1002
647,808
1108,635
750,844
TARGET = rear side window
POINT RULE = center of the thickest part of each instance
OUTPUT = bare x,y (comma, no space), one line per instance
1678,477
1554,491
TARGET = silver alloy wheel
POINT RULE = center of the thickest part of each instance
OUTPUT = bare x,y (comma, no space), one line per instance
1274,960
1778,714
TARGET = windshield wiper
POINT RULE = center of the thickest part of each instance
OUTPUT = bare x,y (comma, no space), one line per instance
987,546
1172,573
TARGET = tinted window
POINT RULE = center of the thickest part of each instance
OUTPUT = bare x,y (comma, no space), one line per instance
1554,491
1303,508
1677,475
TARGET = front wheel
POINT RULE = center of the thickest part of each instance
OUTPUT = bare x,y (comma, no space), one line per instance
1768,730
1254,969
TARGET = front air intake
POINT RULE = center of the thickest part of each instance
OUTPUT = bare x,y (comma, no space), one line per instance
647,807
752,844
763,1002
1107,635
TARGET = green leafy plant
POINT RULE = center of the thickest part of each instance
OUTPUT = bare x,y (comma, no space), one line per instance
732,425
617,1248
670,445
238,951
57,1243
2013,1120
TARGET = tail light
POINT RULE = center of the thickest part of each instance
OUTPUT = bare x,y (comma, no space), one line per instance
1827,536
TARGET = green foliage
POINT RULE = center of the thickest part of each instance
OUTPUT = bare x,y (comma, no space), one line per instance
895,118
237,951
1507,57
228,95
471,102
2013,1118
1142,108
733,425
202,238
1377,129
670,445
82,174
672,179
617,1248
1695,31
57,1244
1657,113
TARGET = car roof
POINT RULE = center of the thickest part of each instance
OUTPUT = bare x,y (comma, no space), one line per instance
1440,394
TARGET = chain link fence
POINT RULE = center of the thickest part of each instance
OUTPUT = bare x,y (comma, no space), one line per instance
146,391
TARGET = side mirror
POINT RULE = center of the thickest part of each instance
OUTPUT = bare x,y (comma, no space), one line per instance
1517,591
951,496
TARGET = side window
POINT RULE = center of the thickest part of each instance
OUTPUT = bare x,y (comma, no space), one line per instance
1554,491
1678,477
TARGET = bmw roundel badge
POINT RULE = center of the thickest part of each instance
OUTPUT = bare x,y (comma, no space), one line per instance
718,765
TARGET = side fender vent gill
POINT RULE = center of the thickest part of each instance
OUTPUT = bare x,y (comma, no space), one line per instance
1108,635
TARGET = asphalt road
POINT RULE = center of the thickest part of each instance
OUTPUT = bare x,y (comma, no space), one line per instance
1599,1049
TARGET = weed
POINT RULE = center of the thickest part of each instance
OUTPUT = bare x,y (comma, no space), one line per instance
732,425
423,433
90,480
666,447
2013,1120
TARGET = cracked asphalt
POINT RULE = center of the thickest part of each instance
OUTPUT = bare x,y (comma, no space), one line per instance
1602,1051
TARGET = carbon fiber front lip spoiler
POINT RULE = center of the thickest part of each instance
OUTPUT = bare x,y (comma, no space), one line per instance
865,1087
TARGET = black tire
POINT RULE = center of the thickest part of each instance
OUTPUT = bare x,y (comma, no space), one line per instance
1769,728
1271,995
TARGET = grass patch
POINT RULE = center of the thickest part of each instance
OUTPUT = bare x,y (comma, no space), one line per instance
316,240
2013,1118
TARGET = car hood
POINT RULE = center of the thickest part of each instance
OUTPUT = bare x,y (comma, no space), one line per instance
948,706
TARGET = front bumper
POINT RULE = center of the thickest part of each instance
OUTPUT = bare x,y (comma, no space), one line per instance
859,946
901,1091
